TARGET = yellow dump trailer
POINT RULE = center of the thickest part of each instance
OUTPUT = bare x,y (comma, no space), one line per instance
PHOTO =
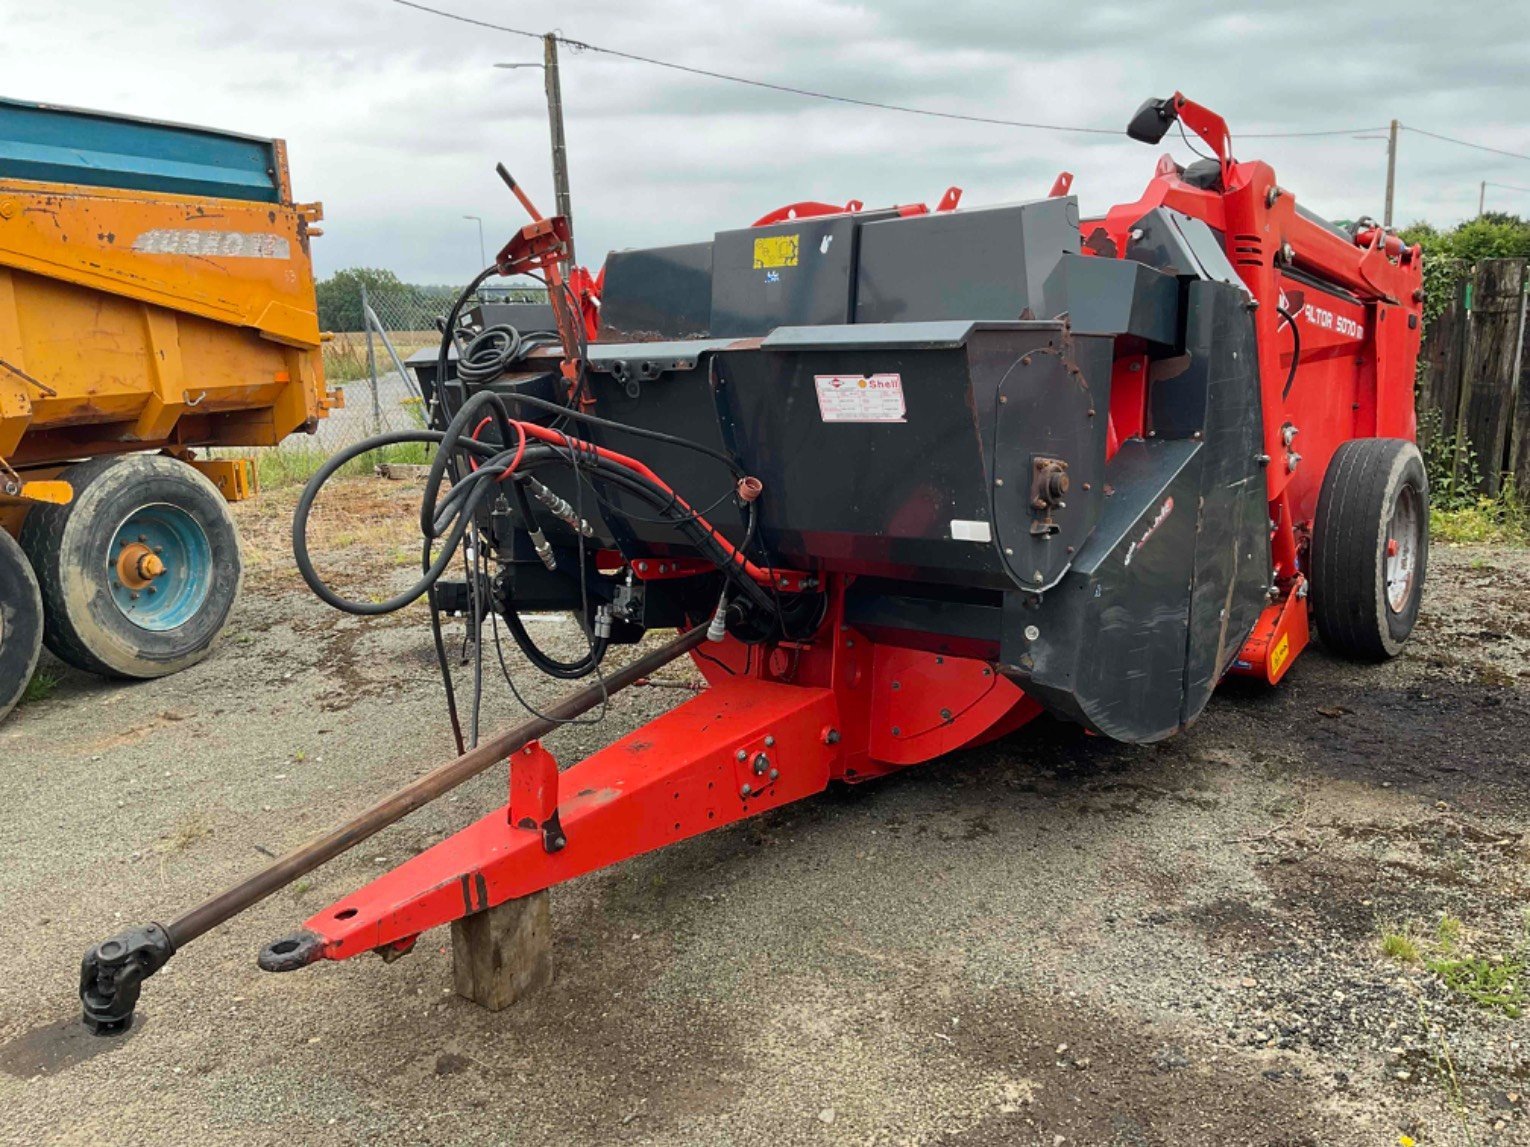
156,298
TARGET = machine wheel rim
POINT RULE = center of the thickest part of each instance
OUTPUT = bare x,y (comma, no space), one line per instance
1401,547
159,567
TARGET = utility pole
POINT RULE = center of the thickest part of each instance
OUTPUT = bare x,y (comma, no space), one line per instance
559,147
1481,198
1391,171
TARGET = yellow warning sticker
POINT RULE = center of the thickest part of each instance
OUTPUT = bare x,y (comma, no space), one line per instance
1279,654
775,251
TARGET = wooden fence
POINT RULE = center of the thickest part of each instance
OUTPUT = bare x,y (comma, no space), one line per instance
1475,373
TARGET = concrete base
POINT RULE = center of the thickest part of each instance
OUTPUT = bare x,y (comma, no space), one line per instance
504,953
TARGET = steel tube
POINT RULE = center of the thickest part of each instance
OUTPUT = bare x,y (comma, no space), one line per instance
416,794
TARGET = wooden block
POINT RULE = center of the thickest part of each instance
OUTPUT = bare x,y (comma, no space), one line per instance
503,954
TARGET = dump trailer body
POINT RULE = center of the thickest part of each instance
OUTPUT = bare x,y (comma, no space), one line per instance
156,289
156,295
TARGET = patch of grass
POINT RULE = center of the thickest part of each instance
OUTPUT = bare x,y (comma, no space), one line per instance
294,465
191,830
40,687
1400,946
1447,933
1493,982
301,887
1503,521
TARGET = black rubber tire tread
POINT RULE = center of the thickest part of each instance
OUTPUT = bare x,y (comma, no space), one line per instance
1355,506
87,634
21,623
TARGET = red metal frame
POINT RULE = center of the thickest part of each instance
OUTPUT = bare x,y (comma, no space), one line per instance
773,726
779,722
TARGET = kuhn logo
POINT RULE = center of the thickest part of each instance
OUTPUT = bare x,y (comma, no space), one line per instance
1158,519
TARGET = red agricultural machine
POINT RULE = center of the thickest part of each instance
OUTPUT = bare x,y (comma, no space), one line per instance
904,480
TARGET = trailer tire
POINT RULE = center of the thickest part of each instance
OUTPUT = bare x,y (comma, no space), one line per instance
1370,547
140,571
21,623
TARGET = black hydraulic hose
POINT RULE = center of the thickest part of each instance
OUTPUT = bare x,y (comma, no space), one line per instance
458,508
300,531
1296,351
552,666
442,358
635,431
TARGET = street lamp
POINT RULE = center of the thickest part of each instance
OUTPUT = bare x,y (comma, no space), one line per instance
483,254
549,66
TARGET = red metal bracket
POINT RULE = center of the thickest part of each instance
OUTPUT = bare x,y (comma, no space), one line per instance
534,795
677,777
807,209
1279,635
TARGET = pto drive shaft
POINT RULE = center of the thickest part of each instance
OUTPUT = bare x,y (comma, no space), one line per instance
112,972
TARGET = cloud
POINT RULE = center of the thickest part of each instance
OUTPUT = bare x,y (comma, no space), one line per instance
395,118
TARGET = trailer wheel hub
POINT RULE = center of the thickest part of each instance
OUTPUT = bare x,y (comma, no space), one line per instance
138,566
161,567
1401,549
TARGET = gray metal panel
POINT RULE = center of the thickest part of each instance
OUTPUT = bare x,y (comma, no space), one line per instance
672,354
1179,245
1121,297
815,288
927,335
657,293
992,263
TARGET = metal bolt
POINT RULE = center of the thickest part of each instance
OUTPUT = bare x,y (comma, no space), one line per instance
769,741
1032,633
741,755
152,590
642,567
745,790
849,643
1003,399
142,538
774,773
134,596
1293,461
1037,576
896,731
998,481
1009,553
945,714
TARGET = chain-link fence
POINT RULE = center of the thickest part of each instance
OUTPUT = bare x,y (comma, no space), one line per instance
371,366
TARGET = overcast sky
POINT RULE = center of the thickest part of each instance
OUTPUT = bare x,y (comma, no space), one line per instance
395,118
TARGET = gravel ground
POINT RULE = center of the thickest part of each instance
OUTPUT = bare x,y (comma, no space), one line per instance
1052,940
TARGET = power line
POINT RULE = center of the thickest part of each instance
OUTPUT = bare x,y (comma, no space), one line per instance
994,121
1506,186
1464,142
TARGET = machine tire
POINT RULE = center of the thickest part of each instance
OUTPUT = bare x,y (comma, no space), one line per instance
1370,547
21,623
106,614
